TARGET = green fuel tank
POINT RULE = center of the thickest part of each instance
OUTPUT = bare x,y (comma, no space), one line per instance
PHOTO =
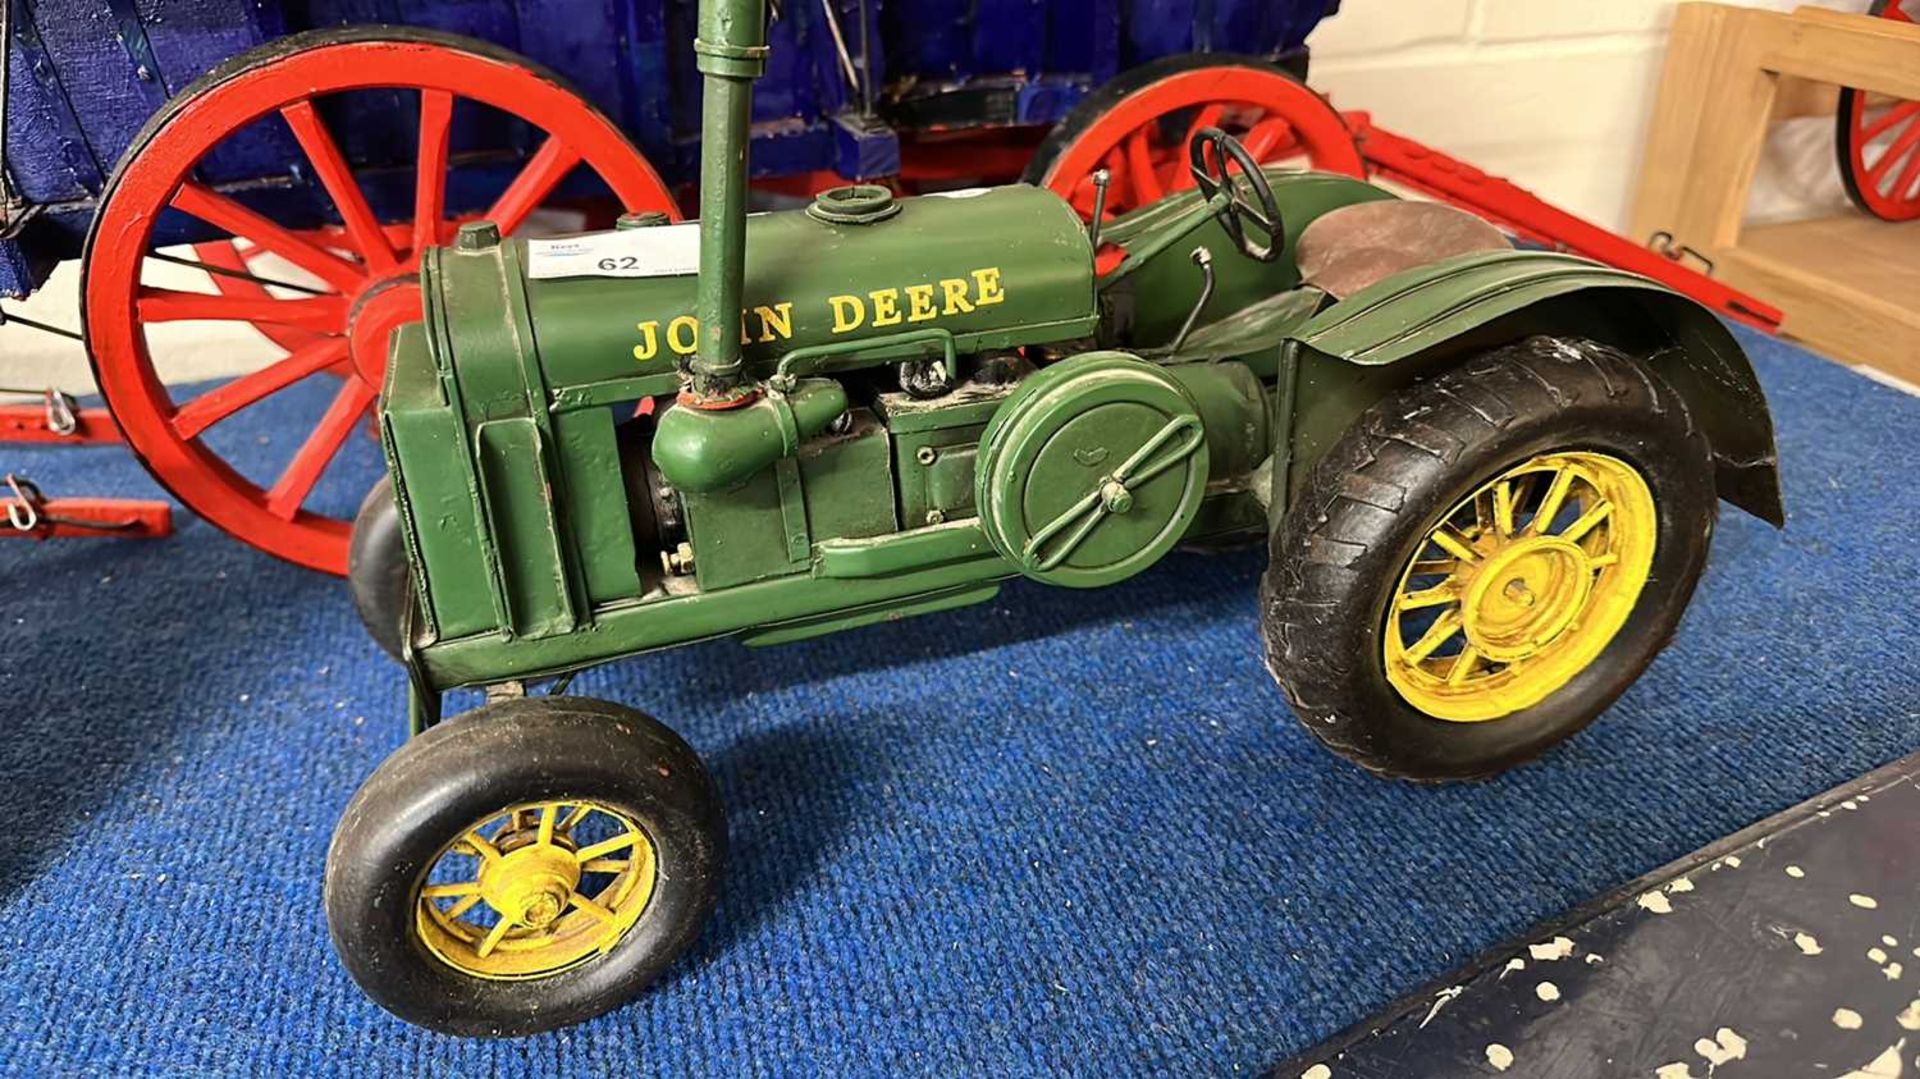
994,269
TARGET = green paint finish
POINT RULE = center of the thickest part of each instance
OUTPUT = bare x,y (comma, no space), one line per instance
528,491
998,270
1163,293
1411,312
1092,471
904,552
848,482
934,464
1458,305
596,516
820,627
1232,405
704,450
517,490
730,52
739,535
633,628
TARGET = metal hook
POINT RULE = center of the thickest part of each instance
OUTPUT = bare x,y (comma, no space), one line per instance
61,419
21,511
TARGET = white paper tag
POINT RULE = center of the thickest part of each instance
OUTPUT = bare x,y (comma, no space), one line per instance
654,251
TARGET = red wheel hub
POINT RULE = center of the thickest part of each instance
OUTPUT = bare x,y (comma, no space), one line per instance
1142,138
355,279
380,309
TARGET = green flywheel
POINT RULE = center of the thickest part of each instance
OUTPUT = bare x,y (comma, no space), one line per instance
1092,471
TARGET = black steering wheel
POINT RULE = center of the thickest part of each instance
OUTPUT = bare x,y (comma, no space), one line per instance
1214,157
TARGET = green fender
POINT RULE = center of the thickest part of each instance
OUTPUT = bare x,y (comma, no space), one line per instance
1437,314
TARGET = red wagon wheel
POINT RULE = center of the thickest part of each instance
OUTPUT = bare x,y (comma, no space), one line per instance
358,277
1880,140
1138,127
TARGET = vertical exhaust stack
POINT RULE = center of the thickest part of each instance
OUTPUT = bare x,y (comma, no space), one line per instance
730,50
723,430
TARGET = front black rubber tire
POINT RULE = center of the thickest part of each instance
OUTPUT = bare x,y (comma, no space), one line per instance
377,569
507,753
1365,509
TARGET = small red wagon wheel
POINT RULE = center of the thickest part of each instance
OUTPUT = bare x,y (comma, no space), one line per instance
1138,127
355,280
1880,140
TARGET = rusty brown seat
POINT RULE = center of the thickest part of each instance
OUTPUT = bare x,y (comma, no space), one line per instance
1346,250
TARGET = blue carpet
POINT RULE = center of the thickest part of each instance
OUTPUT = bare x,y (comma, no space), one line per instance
1060,833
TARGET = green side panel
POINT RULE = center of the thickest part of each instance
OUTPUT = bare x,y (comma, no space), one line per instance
890,612
1233,406
741,535
596,507
1003,268
848,481
1164,291
936,469
1479,301
902,552
1329,396
518,493
627,629
427,453
1254,334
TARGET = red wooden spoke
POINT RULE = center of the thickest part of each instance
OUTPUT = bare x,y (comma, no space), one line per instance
223,213
319,314
1207,117
337,177
217,404
320,448
1142,170
226,255
1903,187
1897,152
1888,120
542,173
430,182
1266,137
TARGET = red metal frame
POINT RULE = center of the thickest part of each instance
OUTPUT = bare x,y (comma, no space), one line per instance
40,423
28,514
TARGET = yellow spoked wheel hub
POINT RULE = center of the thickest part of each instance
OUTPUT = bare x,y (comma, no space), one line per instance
1521,586
536,889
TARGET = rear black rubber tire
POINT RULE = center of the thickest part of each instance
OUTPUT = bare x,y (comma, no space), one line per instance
377,569
507,753
1367,506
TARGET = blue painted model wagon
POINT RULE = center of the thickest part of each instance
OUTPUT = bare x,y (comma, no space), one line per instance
309,153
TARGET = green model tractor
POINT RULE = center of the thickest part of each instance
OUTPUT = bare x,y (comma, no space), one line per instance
1487,477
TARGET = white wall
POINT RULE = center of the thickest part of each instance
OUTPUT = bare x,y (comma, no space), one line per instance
1554,95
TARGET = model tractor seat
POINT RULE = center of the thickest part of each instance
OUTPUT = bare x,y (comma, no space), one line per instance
1346,250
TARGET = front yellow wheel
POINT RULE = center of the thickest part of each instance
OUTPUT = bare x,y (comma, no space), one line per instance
1521,586
536,889
527,865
